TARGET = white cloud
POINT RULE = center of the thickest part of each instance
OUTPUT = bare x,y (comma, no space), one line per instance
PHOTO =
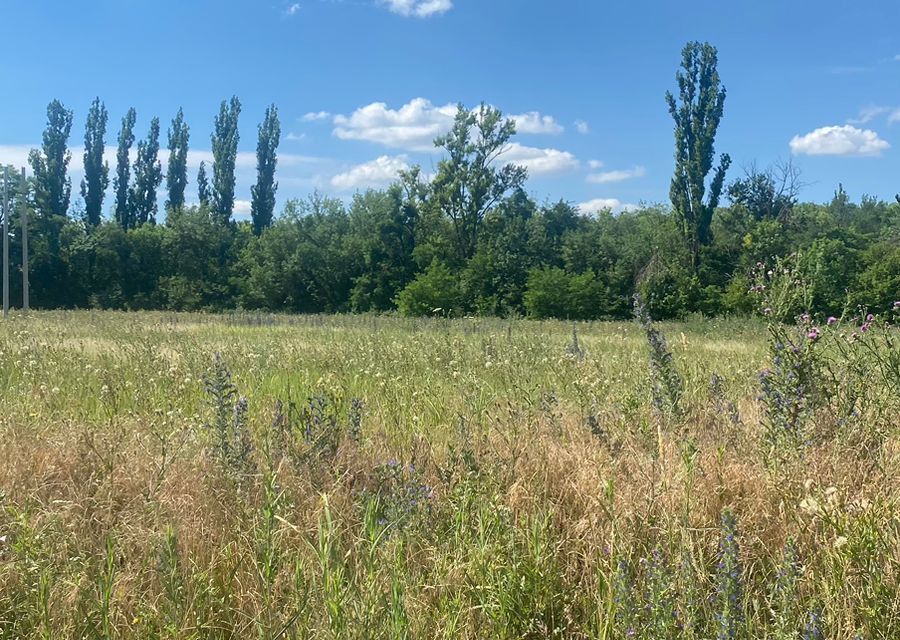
418,8
534,122
295,137
413,126
582,127
601,204
843,140
242,209
16,155
539,161
595,164
316,115
867,114
894,116
377,173
897,58
293,9
618,175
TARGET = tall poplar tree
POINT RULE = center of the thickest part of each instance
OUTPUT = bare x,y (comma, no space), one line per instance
123,170
49,164
225,138
262,206
203,186
697,112
147,177
176,175
96,171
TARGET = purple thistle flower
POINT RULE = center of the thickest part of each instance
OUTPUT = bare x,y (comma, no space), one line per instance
831,320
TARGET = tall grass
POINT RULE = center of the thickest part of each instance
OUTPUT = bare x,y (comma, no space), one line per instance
363,477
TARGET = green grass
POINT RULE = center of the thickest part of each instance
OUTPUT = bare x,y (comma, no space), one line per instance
498,487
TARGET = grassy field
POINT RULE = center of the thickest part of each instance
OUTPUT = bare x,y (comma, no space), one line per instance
190,476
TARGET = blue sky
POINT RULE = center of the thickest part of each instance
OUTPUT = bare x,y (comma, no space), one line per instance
362,85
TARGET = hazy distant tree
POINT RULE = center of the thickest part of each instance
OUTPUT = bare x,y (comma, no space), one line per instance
96,171
176,176
203,186
49,164
123,170
471,179
225,138
147,177
697,113
262,206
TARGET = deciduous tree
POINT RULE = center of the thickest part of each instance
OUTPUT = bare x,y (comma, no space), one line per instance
472,179
697,112
176,174
96,171
262,206
225,138
123,170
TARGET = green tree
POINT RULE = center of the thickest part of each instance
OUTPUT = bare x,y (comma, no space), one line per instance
147,177
123,170
262,206
697,113
49,164
472,179
225,138
96,171
203,193
176,175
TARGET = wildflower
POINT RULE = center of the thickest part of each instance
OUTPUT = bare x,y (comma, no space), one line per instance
870,318
865,327
767,311
831,320
813,334
897,304
812,630
728,580
805,318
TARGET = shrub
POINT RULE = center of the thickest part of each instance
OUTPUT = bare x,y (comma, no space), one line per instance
436,291
554,293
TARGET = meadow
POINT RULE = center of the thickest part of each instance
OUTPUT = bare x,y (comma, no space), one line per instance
254,476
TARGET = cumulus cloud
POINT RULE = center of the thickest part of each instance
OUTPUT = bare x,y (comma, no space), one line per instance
413,126
843,140
534,122
538,161
293,9
417,8
595,164
619,175
313,116
582,127
602,204
377,173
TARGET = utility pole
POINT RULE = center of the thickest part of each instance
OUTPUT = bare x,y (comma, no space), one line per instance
24,204
5,241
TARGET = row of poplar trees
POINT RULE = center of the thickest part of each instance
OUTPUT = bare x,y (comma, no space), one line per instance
136,184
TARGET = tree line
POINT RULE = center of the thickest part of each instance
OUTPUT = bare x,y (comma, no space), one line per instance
469,240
